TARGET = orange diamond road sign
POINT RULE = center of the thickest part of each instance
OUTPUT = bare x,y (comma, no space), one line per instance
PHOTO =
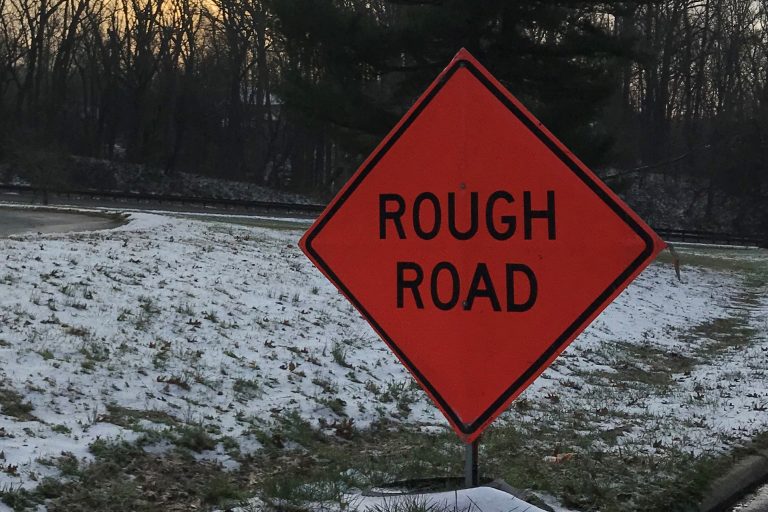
477,245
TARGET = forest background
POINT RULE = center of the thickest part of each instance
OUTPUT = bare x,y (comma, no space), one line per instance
666,99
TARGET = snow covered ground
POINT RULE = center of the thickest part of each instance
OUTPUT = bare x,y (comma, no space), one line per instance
476,499
168,320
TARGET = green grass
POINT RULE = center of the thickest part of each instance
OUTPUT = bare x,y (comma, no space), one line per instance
303,461
416,504
641,367
131,418
46,354
61,429
607,480
125,478
248,388
747,260
323,466
194,438
13,404
339,354
722,334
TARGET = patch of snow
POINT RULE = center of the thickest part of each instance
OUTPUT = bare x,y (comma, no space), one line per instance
478,499
231,327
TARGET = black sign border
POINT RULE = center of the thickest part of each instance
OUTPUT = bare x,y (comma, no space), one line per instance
471,428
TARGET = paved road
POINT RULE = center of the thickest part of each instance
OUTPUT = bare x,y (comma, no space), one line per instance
14,221
757,502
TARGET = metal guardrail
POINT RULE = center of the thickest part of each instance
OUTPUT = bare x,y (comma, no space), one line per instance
17,188
176,199
672,235
709,237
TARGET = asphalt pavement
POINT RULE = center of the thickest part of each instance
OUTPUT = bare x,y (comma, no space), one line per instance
15,221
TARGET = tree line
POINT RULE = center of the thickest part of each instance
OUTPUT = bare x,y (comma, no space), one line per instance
294,93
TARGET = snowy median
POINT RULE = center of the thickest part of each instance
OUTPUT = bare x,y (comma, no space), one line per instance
163,325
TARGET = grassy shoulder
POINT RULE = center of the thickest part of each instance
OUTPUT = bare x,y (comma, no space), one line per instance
298,463
608,416
301,465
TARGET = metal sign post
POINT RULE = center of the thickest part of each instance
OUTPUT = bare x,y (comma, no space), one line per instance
471,470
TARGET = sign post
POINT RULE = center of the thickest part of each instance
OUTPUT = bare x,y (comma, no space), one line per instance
471,464
477,246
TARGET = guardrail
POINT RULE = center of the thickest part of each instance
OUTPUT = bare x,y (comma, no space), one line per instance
672,235
175,199
709,237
